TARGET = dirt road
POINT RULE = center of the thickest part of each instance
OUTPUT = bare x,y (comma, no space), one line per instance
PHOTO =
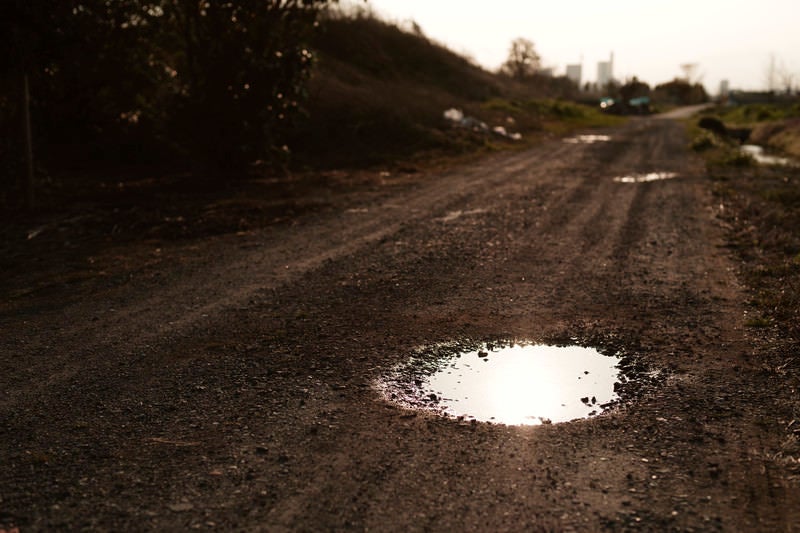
228,383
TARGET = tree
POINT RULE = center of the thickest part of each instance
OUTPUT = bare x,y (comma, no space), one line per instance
523,61
127,80
634,88
88,67
681,92
241,72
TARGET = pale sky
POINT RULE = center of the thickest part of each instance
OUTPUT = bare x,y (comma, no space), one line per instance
651,39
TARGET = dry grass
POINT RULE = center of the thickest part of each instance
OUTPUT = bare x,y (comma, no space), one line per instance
762,210
783,135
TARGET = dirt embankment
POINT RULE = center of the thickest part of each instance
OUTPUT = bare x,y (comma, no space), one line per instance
227,381
783,136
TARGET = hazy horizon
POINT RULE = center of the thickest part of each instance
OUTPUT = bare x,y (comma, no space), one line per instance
733,40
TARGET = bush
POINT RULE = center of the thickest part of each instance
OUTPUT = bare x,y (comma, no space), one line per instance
130,80
702,142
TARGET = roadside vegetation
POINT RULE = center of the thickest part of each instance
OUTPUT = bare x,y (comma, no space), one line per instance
760,205
776,127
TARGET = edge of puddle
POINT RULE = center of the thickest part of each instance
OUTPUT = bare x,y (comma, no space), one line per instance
402,385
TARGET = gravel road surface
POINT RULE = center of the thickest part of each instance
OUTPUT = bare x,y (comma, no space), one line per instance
228,383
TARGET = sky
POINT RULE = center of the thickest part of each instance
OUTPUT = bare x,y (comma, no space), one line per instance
733,40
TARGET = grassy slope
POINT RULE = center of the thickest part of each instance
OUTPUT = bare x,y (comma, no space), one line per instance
378,95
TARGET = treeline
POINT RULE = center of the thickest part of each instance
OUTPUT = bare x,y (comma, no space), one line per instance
675,92
214,82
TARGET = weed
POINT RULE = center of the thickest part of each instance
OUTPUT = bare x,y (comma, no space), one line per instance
753,113
703,142
738,159
787,197
759,322
502,105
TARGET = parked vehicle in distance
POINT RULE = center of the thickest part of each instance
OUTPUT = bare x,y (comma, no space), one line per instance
634,106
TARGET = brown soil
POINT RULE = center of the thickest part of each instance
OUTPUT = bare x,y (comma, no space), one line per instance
211,363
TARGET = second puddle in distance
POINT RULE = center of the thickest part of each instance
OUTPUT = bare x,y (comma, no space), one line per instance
587,139
514,385
645,178
761,157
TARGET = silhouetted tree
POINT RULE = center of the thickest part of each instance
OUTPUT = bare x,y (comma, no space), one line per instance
680,92
128,80
634,88
89,63
523,61
241,69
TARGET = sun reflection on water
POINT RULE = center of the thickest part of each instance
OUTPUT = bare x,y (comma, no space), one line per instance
525,385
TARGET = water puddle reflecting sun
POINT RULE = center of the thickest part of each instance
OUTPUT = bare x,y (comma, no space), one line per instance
644,178
512,384
761,157
587,139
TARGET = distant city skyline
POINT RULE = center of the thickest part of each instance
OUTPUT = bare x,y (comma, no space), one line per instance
732,40
605,72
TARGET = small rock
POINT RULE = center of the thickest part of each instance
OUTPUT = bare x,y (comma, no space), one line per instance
180,507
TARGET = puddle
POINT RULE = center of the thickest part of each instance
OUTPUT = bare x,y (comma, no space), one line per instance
587,139
454,215
513,384
757,153
644,178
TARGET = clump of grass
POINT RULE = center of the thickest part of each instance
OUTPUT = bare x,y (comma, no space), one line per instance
785,196
754,113
758,322
702,142
719,158
502,105
555,116
735,158
562,117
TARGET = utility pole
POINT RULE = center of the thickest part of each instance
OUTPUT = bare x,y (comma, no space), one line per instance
772,74
688,72
21,41
30,192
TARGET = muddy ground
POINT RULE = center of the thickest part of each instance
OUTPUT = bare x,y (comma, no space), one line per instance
170,366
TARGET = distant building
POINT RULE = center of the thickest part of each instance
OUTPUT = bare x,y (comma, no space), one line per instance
724,89
605,72
547,71
574,73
